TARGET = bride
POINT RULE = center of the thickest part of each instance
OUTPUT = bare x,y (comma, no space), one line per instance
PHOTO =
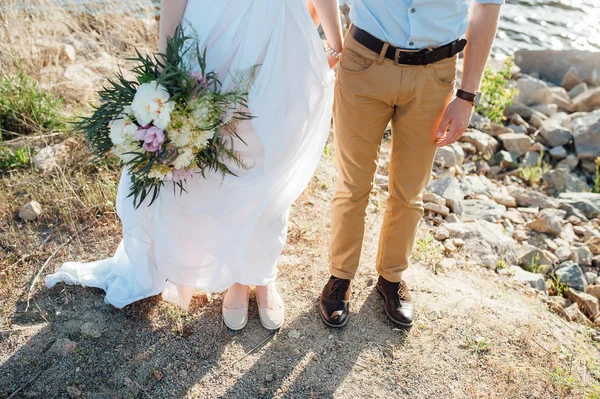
228,234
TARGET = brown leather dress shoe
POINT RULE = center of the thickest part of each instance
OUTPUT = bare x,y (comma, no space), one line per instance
335,301
398,303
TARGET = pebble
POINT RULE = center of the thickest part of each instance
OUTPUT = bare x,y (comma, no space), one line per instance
30,211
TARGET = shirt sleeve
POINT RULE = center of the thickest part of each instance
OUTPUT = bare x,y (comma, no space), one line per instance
490,1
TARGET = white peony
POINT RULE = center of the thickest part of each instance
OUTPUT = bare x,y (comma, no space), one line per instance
122,129
151,105
184,159
128,150
180,137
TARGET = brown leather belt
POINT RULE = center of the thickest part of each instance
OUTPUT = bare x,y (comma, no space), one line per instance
408,57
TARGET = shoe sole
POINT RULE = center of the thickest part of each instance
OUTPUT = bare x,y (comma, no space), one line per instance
404,325
273,328
330,324
235,329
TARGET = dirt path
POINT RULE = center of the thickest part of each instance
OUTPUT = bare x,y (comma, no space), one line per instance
477,335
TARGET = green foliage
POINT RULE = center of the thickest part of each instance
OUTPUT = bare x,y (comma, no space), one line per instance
14,159
558,287
25,109
427,252
502,264
534,264
597,179
497,94
533,174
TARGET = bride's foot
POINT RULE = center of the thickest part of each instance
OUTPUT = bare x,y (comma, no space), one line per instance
235,306
270,306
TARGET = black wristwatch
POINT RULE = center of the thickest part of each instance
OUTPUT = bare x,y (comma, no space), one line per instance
473,98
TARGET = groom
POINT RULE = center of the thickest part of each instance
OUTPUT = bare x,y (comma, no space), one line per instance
398,65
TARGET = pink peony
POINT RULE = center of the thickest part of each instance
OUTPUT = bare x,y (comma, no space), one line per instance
153,138
182,174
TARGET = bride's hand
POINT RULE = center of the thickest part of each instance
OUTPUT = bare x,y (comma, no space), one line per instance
333,61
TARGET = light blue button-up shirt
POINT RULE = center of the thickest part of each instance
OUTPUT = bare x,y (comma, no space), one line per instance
413,24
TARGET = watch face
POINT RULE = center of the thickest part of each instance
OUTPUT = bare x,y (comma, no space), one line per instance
477,99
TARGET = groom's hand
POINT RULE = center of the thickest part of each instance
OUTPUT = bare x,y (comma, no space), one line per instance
454,123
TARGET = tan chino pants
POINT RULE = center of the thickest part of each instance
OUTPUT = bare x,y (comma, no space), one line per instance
370,91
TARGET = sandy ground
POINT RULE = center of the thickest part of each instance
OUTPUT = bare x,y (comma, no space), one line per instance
476,335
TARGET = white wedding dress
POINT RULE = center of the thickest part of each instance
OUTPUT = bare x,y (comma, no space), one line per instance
225,231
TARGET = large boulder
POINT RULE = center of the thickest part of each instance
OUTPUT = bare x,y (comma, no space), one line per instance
533,256
485,242
475,185
586,134
588,203
553,65
562,180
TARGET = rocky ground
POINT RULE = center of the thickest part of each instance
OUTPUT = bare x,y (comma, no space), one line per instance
505,272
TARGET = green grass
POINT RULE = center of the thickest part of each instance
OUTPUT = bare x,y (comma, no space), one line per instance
27,109
533,174
497,94
14,159
427,252
559,288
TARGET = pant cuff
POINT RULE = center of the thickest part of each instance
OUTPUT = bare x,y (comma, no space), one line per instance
394,277
341,274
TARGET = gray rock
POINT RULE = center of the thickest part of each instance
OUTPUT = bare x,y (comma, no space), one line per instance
555,134
484,143
562,180
552,65
571,275
571,79
587,101
563,253
449,189
436,208
587,203
587,303
516,143
591,278
533,256
90,330
504,159
588,166
48,158
558,153
452,155
572,211
431,197
529,198
485,242
547,109
586,134
502,197
475,185
481,210
584,255
531,159
569,163
535,280
577,90
533,91
548,221
524,111
441,233
30,211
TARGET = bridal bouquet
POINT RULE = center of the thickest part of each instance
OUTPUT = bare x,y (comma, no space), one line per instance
171,122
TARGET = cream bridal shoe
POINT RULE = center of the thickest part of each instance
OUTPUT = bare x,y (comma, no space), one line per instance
270,306
235,306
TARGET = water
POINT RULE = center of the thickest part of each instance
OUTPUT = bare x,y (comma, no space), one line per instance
547,24
538,24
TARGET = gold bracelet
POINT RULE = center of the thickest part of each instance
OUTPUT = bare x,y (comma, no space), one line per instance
332,52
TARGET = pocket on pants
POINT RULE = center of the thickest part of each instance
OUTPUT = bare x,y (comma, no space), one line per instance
356,59
444,71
